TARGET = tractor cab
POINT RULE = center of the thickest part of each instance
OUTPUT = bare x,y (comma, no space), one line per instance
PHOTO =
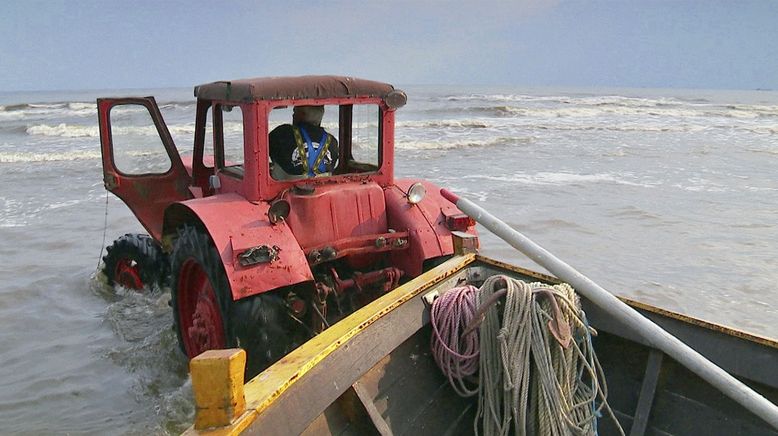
284,216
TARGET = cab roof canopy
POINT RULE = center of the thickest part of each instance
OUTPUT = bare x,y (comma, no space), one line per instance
284,88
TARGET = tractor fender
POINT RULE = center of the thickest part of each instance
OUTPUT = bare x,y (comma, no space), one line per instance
236,225
425,223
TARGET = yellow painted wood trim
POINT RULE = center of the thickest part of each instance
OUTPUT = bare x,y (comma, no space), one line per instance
727,330
263,389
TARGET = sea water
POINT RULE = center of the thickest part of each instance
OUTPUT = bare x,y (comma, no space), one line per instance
665,196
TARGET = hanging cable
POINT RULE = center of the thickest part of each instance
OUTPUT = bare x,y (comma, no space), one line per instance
105,231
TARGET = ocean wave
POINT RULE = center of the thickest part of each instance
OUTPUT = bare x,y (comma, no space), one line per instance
37,110
25,157
178,105
66,130
401,144
622,127
78,109
557,178
468,123
761,129
770,151
502,97
596,111
79,105
554,106
604,100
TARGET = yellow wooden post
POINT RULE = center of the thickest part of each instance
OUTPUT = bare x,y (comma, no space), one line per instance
217,382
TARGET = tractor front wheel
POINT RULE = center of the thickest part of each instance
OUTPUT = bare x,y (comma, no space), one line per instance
206,317
135,262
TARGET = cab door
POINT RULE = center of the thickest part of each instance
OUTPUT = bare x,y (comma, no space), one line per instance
141,164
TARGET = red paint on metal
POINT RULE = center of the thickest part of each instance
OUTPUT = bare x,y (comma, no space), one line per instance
147,195
360,245
127,274
345,211
425,222
335,212
301,87
459,222
200,319
387,278
450,196
236,225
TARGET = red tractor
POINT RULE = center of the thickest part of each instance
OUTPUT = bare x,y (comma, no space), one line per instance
259,255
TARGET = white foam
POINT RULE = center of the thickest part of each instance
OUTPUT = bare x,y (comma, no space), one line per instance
64,204
467,123
589,106
21,157
46,105
74,109
93,131
64,130
556,178
78,106
460,143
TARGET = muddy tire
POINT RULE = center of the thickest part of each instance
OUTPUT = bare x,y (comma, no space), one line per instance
262,327
206,317
135,261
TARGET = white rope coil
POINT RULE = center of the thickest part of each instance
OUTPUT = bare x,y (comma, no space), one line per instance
526,378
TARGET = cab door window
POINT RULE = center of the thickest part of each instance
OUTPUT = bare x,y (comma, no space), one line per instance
137,145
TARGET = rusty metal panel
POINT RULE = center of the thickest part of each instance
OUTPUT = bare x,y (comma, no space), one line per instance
236,225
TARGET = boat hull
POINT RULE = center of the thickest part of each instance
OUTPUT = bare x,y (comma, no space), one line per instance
373,372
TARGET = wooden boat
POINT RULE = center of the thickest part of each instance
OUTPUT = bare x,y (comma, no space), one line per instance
373,373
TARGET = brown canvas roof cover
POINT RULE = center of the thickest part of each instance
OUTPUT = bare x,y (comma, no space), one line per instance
281,88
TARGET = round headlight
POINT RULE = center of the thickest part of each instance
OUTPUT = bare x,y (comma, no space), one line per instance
416,193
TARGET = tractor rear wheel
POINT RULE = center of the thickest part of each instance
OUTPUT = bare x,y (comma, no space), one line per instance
263,327
135,261
205,315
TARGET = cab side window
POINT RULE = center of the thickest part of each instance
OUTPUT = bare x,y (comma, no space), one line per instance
364,135
137,145
228,122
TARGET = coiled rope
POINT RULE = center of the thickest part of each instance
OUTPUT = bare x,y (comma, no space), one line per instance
536,366
451,313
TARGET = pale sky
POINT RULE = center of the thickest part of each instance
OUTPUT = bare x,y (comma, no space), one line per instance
109,44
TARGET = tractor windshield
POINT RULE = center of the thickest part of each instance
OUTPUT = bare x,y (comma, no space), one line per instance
319,141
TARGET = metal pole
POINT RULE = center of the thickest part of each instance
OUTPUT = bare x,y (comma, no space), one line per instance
652,333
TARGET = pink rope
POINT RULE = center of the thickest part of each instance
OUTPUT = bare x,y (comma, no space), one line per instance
457,357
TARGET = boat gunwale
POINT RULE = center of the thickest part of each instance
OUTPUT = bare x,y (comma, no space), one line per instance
264,389
699,322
